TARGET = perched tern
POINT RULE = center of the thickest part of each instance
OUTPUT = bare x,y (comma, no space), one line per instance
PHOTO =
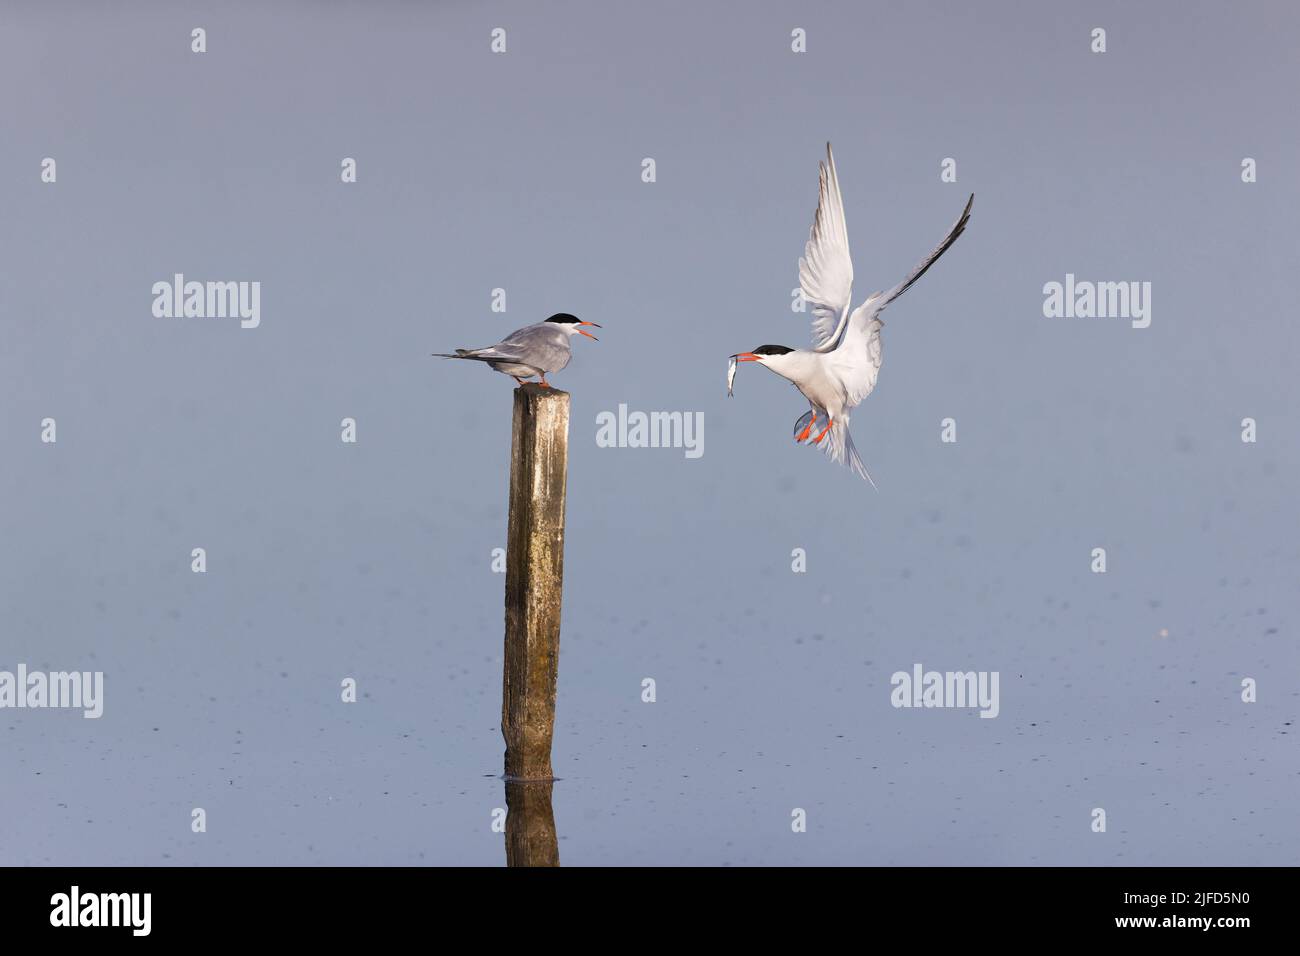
532,351
841,368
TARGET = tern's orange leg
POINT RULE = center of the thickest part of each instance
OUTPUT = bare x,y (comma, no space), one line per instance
817,440
803,435
544,383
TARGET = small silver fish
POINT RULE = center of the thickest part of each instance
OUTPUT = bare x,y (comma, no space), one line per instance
731,374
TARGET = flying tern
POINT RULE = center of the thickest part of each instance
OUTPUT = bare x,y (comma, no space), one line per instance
841,368
531,352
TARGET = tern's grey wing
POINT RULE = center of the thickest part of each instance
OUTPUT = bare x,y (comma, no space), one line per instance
857,360
882,299
513,346
542,346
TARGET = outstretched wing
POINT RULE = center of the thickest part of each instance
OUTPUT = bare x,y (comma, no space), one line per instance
882,299
857,360
825,269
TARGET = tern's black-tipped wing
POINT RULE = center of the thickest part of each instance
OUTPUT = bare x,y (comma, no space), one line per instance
882,299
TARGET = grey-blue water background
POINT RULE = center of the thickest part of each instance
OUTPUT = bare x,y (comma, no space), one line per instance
522,171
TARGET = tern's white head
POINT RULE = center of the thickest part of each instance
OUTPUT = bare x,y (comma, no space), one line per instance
572,324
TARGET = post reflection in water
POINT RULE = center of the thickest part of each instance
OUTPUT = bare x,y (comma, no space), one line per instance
530,824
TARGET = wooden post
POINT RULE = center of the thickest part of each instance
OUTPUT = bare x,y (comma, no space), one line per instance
530,824
539,461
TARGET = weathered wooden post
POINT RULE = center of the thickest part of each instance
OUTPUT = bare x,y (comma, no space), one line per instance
539,462
531,839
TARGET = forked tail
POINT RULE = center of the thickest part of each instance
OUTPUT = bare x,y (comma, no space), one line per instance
466,354
855,461
838,443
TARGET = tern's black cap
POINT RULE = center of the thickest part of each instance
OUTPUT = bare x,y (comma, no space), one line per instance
563,318
772,350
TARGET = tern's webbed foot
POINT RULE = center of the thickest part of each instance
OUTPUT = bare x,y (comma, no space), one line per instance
803,427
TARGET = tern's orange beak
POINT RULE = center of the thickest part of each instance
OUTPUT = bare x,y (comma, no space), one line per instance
745,357
588,334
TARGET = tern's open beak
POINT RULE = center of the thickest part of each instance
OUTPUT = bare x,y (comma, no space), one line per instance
745,357
588,334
